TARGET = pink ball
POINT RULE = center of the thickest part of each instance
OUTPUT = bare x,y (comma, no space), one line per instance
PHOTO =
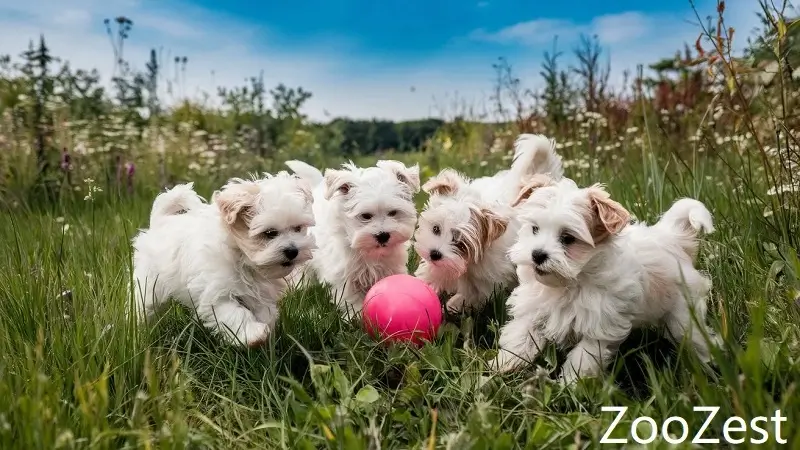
402,308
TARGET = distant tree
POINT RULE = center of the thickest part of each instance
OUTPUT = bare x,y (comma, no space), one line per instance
593,75
151,85
37,61
557,95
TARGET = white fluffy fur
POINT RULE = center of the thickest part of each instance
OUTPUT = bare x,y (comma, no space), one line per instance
615,276
471,224
226,260
353,207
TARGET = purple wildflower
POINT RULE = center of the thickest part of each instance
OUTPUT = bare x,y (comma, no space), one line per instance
66,161
130,170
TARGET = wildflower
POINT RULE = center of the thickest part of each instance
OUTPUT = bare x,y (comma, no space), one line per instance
130,169
484,163
65,439
91,189
66,161
65,228
784,189
59,219
447,144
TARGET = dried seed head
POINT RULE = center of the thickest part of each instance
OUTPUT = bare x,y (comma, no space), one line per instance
699,46
721,7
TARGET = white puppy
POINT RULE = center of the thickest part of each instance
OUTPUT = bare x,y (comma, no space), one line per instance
588,275
226,260
468,226
364,220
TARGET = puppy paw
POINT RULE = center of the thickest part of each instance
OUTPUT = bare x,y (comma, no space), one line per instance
256,335
505,362
456,304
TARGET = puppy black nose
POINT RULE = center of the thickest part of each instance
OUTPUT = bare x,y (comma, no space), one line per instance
290,253
539,257
382,237
436,255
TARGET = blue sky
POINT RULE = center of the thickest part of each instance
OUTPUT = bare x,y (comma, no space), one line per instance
388,59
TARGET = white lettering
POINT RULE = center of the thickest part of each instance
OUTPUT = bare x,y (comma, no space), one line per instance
684,430
635,430
606,437
713,410
777,418
759,430
728,427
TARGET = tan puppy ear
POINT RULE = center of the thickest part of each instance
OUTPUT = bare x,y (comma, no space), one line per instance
447,182
491,226
406,175
528,187
236,200
485,226
609,217
337,181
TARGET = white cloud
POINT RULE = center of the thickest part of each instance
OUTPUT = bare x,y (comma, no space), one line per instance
532,32
221,53
610,29
619,28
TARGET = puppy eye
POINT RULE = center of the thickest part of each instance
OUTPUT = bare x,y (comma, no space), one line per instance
566,239
392,213
298,228
366,216
271,234
456,236
535,229
436,230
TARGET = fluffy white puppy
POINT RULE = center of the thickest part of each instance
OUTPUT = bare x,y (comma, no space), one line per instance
467,226
364,220
589,276
226,260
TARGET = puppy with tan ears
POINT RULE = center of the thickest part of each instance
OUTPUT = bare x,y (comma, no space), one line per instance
468,225
588,276
227,260
364,220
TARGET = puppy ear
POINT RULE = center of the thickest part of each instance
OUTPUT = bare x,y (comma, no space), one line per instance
492,225
305,189
447,182
528,187
337,181
406,175
236,200
485,227
609,216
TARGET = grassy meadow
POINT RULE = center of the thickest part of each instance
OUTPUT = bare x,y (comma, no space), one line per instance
75,372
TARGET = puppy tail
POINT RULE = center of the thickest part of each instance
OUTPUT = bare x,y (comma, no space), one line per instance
536,154
179,199
306,171
688,218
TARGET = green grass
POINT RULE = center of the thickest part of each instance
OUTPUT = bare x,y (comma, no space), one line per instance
76,373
